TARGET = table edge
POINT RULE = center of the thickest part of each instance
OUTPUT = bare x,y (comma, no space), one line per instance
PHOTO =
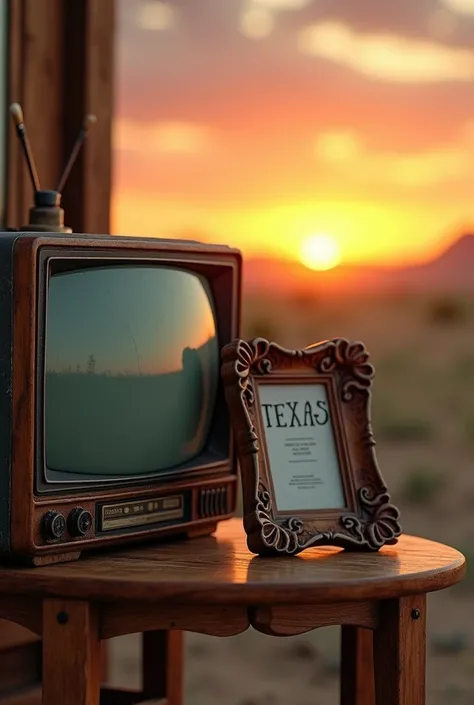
262,593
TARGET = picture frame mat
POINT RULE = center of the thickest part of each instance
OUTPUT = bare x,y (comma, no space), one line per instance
328,514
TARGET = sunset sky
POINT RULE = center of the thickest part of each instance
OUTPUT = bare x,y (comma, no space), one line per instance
260,123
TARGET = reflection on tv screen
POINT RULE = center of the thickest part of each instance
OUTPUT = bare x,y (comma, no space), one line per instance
132,367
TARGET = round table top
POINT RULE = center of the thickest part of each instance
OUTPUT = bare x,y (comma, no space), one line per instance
220,569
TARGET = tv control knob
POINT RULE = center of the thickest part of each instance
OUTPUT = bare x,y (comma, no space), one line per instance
53,525
79,522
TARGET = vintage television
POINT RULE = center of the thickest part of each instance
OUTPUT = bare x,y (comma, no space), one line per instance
114,426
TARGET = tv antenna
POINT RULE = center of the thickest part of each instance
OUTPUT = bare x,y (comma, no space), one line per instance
46,215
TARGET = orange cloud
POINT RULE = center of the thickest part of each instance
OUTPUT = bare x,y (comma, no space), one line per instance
387,57
338,146
156,16
160,137
256,22
463,7
345,150
283,4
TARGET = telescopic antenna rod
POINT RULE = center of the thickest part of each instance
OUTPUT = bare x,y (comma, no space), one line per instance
17,115
88,121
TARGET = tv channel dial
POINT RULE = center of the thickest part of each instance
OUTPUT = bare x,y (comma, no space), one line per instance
53,525
79,522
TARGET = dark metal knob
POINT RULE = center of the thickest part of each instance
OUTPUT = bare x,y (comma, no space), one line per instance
53,525
79,522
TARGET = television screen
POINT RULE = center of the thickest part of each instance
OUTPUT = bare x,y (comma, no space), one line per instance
131,370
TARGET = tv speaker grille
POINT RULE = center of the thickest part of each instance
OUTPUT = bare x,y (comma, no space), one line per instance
212,502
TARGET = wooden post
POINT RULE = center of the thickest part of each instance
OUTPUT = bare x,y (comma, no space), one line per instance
400,652
357,666
62,50
89,88
162,666
71,653
34,72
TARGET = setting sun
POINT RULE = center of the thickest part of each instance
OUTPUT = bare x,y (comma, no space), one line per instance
320,252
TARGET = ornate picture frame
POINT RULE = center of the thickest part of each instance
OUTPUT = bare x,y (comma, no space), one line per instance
309,407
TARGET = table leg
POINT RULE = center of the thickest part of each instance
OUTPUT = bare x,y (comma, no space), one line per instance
357,666
71,653
162,666
400,652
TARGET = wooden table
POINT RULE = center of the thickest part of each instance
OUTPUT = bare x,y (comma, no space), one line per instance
215,586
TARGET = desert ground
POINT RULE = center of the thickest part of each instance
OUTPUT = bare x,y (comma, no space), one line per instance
423,418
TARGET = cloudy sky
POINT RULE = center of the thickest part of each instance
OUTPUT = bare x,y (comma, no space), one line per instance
261,122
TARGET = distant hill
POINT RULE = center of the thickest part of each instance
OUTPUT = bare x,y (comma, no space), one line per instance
451,272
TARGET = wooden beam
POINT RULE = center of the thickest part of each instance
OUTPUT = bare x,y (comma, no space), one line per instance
60,68
88,88
35,81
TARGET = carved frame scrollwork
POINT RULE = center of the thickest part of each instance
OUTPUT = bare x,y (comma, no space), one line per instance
369,521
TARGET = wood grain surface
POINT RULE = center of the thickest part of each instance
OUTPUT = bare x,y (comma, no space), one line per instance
219,570
289,620
71,653
162,667
400,652
357,666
